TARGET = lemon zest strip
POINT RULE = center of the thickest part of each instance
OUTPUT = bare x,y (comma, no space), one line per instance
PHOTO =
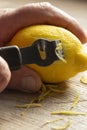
43,95
75,101
83,79
52,121
64,127
59,47
45,91
30,105
68,112
56,89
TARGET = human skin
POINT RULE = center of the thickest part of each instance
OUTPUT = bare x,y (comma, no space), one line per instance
14,19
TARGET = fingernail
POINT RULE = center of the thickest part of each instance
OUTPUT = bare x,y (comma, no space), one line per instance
28,83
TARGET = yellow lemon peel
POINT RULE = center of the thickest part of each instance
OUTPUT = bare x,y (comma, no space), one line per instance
68,112
28,105
45,91
83,78
75,101
60,56
54,88
64,127
52,121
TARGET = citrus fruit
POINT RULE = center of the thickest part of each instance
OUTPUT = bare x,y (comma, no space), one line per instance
74,55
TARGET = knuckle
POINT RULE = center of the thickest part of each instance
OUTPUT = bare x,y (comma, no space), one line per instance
45,5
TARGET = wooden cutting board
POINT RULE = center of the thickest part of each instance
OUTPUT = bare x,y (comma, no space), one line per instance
34,118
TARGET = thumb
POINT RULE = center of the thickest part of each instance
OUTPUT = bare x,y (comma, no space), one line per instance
5,74
25,79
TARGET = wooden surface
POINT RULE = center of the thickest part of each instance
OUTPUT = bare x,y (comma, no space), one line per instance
34,118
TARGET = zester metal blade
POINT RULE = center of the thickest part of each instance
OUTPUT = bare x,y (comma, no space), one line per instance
42,53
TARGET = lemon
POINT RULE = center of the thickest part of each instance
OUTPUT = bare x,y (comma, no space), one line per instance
74,54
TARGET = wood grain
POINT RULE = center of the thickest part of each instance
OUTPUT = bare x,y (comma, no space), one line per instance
34,118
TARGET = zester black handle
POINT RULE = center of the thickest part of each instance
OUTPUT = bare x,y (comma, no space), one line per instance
12,55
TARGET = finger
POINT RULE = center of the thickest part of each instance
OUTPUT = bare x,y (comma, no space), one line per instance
5,74
25,79
38,13
60,18
51,15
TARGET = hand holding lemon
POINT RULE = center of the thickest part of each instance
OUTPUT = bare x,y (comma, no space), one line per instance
27,79
74,58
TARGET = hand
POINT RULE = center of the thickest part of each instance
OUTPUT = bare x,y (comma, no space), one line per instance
12,20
